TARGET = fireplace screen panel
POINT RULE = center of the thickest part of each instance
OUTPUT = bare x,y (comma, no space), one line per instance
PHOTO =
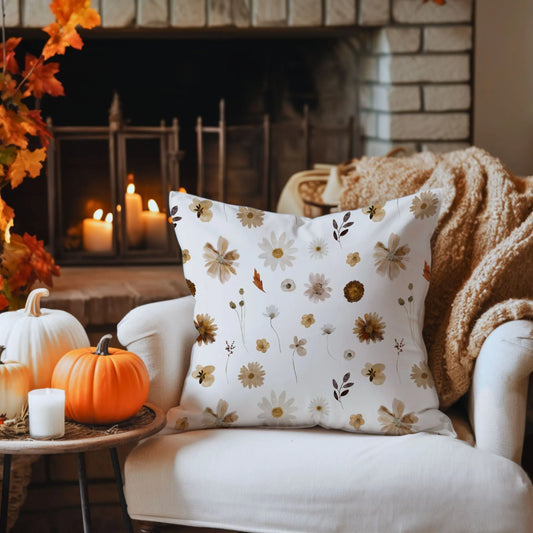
108,194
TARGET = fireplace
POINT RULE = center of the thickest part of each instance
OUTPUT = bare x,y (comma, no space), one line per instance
400,68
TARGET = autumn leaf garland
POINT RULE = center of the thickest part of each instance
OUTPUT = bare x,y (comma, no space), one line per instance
18,123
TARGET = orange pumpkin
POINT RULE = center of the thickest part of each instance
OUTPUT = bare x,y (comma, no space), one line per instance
102,385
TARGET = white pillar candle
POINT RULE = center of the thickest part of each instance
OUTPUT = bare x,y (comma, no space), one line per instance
46,413
155,226
98,234
134,225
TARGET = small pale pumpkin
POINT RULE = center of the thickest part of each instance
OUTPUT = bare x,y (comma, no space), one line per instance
102,385
14,386
39,337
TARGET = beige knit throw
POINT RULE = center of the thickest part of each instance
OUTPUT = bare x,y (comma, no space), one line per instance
482,264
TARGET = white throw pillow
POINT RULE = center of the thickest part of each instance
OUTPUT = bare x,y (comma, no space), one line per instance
305,322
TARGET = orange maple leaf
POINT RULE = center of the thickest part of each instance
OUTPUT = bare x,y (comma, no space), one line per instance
11,64
75,12
257,281
40,126
6,215
26,163
60,39
13,128
41,79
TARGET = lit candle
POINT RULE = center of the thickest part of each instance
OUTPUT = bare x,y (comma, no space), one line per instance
134,225
46,413
97,233
155,226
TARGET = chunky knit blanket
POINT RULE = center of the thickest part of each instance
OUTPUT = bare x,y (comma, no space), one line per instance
482,263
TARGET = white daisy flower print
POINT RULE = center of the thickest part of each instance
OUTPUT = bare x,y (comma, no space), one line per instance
278,411
319,409
318,288
278,251
425,205
318,249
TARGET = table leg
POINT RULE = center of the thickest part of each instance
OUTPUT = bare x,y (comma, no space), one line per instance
5,493
84,493
120,489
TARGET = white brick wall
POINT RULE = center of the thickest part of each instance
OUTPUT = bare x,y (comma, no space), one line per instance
153,13
447,97
305,13
37,14
424,68
390,97
186,14
270,12
340,12
397,40
118,13
418,12
447,38
430,126
374,12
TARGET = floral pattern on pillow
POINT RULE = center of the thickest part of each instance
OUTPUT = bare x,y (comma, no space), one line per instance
305,322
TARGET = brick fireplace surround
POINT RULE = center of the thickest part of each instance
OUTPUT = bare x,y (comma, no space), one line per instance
415,92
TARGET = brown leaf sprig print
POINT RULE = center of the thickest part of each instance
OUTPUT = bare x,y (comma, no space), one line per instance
342,230
340,392
174,215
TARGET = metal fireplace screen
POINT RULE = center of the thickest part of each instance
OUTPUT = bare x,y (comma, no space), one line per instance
108,186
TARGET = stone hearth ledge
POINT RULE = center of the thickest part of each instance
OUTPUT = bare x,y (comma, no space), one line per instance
101,296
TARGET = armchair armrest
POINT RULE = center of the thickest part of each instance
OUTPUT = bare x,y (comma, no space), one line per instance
498,396
162,335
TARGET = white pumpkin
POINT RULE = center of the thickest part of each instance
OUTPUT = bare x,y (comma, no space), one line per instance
40,337
14,386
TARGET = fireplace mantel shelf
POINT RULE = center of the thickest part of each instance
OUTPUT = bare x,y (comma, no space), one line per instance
99,297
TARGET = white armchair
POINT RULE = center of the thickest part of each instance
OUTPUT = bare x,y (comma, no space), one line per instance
281,480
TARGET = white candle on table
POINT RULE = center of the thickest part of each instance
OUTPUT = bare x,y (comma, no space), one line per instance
155,226
98,234
46,413
134,226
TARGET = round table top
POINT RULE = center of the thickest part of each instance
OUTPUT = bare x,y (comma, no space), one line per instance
85,437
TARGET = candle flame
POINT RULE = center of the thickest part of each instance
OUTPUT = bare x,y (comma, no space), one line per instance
152,206
8,234
130,189
98,214
109,217
182,189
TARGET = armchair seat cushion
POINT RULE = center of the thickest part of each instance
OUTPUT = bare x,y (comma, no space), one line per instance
314,480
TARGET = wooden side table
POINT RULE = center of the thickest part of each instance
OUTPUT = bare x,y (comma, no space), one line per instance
81,438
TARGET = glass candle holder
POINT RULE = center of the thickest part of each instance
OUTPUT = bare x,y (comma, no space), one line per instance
46,413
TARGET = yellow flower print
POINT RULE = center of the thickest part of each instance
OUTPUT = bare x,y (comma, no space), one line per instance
219,418
425,205
250,217
354,291
308,320
375,212
185,255
390,260
262,345
395,422
252,375
421,375
352,259
204,375
202,208
219,262
206,328
356,421
369,328
374,372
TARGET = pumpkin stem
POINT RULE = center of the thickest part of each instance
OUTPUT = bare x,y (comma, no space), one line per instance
2,348
33,303
102,347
